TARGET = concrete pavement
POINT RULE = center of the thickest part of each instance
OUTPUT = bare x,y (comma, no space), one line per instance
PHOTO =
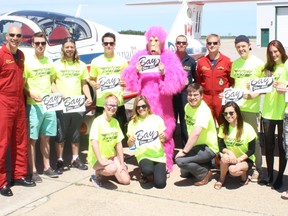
73,194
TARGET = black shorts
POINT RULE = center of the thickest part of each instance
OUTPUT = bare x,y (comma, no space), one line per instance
68,123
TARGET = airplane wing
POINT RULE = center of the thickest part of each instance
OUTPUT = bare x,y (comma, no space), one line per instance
191,1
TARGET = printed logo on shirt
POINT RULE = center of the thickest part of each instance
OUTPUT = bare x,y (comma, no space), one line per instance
41,72
189,120
240,73
233,142
110,70
70,73
108,137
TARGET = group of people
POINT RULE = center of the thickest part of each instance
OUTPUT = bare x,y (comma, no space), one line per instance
192,93
25,83
175,88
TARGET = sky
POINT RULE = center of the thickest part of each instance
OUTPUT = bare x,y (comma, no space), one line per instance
221,18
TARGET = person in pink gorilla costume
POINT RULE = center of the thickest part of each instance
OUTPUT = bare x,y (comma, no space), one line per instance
159,86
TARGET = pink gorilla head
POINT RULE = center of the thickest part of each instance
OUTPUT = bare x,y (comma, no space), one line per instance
155,37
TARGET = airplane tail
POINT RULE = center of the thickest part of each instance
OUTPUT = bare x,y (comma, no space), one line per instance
188,21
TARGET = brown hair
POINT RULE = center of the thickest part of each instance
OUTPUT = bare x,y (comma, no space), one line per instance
269,66
240,121
76,58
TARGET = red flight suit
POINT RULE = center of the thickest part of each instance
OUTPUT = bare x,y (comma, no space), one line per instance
13,126
214,79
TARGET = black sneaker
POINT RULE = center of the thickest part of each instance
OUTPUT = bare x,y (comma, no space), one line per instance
50,173
59,167
79,165
96,180
36,178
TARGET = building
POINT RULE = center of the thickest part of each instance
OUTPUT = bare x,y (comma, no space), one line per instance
272,22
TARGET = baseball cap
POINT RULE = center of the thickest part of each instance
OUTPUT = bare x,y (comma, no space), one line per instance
242,38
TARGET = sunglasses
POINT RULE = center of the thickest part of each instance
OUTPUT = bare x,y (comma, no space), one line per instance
228,113
210,43
181,42
38,43
110,43
144,106
13,35
110,106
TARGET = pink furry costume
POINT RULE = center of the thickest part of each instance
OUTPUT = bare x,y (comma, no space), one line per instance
158,88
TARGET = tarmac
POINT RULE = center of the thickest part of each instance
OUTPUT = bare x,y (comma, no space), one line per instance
72,193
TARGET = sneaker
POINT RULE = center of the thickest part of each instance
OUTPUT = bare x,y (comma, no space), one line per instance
79,165
96,180
143,179
255,176
36,178
59,167
50,173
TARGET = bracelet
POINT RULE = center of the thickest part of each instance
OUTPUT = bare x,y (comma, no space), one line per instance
184,152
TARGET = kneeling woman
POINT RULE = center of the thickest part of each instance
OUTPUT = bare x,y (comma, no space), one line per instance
146,132
236,141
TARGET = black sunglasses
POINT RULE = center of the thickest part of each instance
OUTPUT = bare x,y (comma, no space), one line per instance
110,43
181,42
210,43
226,113
13,35
38,43
144,106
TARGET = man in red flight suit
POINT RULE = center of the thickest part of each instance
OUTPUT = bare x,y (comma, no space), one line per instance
213,74
13,126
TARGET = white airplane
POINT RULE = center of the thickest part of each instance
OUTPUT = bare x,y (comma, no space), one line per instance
87,34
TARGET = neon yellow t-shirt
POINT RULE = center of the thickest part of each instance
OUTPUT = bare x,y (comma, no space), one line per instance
38,73
274,104
108,134
108,72
201,117
239,147
243,71
284,78
147,131
69,77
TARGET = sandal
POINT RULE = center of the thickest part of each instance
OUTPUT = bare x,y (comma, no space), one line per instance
284,195
218,185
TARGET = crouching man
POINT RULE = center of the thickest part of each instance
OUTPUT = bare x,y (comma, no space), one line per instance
201,147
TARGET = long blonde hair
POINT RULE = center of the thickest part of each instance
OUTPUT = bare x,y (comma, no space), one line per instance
135,114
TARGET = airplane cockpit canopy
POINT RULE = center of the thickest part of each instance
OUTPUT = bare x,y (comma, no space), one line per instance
55,26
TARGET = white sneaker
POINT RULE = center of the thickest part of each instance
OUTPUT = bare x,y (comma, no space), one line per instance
255,176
